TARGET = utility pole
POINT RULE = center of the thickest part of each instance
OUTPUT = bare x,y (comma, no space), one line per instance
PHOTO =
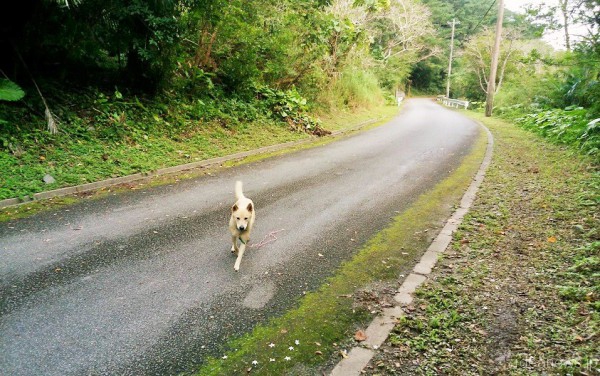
489,101
450,60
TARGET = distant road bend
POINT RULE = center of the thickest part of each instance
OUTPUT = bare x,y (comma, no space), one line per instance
142,283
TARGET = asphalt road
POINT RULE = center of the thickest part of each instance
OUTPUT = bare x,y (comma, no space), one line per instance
143,282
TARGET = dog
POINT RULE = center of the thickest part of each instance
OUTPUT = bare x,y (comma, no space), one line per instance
241,223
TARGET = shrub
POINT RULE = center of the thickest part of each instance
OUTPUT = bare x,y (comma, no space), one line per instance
570,126
290,107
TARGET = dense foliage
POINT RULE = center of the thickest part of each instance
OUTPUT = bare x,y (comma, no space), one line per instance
213,57
569,126
113,72
554,93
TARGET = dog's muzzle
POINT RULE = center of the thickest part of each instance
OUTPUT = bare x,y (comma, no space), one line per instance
242,228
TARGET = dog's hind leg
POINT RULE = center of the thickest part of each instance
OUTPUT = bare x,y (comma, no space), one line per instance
236,267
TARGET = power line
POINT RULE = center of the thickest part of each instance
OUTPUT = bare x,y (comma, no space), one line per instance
482,18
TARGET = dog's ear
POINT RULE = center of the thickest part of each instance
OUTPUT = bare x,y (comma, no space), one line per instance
234,208
249,207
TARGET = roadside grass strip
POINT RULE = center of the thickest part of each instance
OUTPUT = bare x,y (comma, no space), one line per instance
23,176
517,292
314,336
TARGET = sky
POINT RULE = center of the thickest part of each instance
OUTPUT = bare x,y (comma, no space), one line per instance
554,38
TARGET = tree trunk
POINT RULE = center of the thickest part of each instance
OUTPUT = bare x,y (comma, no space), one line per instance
565,13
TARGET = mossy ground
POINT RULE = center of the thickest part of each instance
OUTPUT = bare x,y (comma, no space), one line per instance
517,292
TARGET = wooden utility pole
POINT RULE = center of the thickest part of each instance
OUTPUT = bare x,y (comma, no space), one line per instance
450,60
489,101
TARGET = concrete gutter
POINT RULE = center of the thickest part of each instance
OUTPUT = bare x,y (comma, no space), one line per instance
379,329
169,170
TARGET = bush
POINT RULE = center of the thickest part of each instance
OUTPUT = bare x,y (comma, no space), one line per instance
571,126
358,88
291,107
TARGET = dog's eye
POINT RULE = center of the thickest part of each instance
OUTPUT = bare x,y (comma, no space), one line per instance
245,219
238,218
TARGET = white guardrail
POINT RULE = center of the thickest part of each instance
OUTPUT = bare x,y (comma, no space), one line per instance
452,102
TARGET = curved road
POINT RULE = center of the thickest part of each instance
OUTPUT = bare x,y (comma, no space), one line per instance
143,282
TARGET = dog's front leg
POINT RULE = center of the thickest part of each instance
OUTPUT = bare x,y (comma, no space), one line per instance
236,267
234,246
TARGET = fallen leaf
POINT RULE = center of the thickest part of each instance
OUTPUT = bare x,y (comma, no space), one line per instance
552,239
343,354
360,336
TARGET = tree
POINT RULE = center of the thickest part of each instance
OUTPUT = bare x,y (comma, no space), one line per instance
134,37
396,32
477,56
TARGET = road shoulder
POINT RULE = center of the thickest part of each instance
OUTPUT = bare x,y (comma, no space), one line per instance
517,290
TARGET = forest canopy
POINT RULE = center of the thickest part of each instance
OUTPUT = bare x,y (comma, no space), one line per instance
280,57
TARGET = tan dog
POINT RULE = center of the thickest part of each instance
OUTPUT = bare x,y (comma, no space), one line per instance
240,223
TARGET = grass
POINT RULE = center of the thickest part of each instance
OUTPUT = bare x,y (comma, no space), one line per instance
78,161
341,119
517,292
105,135
325,320
89,160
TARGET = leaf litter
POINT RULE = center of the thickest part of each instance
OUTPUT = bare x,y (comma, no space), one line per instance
509,295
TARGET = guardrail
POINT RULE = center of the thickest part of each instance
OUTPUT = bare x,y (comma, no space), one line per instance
452,102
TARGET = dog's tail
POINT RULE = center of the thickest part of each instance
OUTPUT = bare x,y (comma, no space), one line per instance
238,190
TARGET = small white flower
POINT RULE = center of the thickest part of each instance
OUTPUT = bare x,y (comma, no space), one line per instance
254,362
224,357
291,348
271,360
287,358
271,344
297,342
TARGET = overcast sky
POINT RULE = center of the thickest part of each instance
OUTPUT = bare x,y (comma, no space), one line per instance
555,38
515,5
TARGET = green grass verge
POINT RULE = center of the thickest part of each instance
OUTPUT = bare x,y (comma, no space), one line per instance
89,160
73,160
518,291
326,318
78,161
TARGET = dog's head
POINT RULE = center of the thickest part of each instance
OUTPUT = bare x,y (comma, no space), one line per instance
242,215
